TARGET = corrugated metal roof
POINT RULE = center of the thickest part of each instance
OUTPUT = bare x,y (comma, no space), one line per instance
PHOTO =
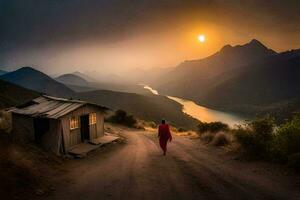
50,107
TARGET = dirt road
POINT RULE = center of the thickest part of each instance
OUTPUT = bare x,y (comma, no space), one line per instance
137,170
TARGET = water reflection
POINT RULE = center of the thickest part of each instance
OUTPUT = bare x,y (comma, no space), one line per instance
202,113
151,90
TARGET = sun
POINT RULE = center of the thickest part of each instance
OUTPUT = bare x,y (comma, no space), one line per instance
201,38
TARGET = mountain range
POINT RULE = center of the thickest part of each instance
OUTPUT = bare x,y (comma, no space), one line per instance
192,79
32,79
237,78
148,107
246,79
72,79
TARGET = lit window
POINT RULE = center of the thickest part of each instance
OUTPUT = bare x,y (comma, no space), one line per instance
74,123
92,118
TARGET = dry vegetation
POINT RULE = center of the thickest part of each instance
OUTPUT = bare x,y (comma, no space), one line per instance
26,170
260,139
5,122
216,133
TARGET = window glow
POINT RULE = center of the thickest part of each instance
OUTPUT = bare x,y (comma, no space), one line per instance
74,123
92,118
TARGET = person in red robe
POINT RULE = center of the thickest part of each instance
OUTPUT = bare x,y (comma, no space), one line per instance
164,136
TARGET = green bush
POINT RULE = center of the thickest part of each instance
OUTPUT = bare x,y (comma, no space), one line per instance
282,145
256,136
212,127
245,137
286,140
121,117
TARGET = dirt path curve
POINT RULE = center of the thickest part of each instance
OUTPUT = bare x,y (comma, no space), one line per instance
137,170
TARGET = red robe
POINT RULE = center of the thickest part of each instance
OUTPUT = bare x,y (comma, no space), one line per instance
164,135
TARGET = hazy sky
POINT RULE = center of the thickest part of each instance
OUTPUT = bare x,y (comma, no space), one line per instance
115,35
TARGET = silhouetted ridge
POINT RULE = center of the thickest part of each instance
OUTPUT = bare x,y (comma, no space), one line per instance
227,47
256,42
192,79
254,46
269,82
33,79
12,95
72,79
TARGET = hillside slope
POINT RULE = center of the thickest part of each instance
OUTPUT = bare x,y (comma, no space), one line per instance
148,107
12,95
35,80
2,72
270,81
72,79
192,79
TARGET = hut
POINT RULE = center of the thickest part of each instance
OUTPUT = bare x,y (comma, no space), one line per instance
57,124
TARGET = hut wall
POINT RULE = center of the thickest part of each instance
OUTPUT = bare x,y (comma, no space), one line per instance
93,131
65,124
51,140
100,124
73,137
23,129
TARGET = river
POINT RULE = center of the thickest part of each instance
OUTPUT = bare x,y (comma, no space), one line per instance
202,113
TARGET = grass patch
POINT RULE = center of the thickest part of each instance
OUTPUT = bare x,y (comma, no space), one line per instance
215,133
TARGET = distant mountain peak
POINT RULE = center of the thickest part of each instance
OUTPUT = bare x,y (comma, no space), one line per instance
255,41
72,79
226,47
27,68
253,46
33,79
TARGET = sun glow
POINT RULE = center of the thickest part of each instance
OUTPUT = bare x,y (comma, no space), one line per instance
201,38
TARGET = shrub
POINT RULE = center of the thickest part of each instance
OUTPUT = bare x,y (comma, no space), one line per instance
152,124
221,139
121,117
181,129
256,136
263,127
5,121
283,145
286,140
212,127
207,137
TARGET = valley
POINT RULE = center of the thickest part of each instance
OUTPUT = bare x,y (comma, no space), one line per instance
202,113
142,105
248,79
